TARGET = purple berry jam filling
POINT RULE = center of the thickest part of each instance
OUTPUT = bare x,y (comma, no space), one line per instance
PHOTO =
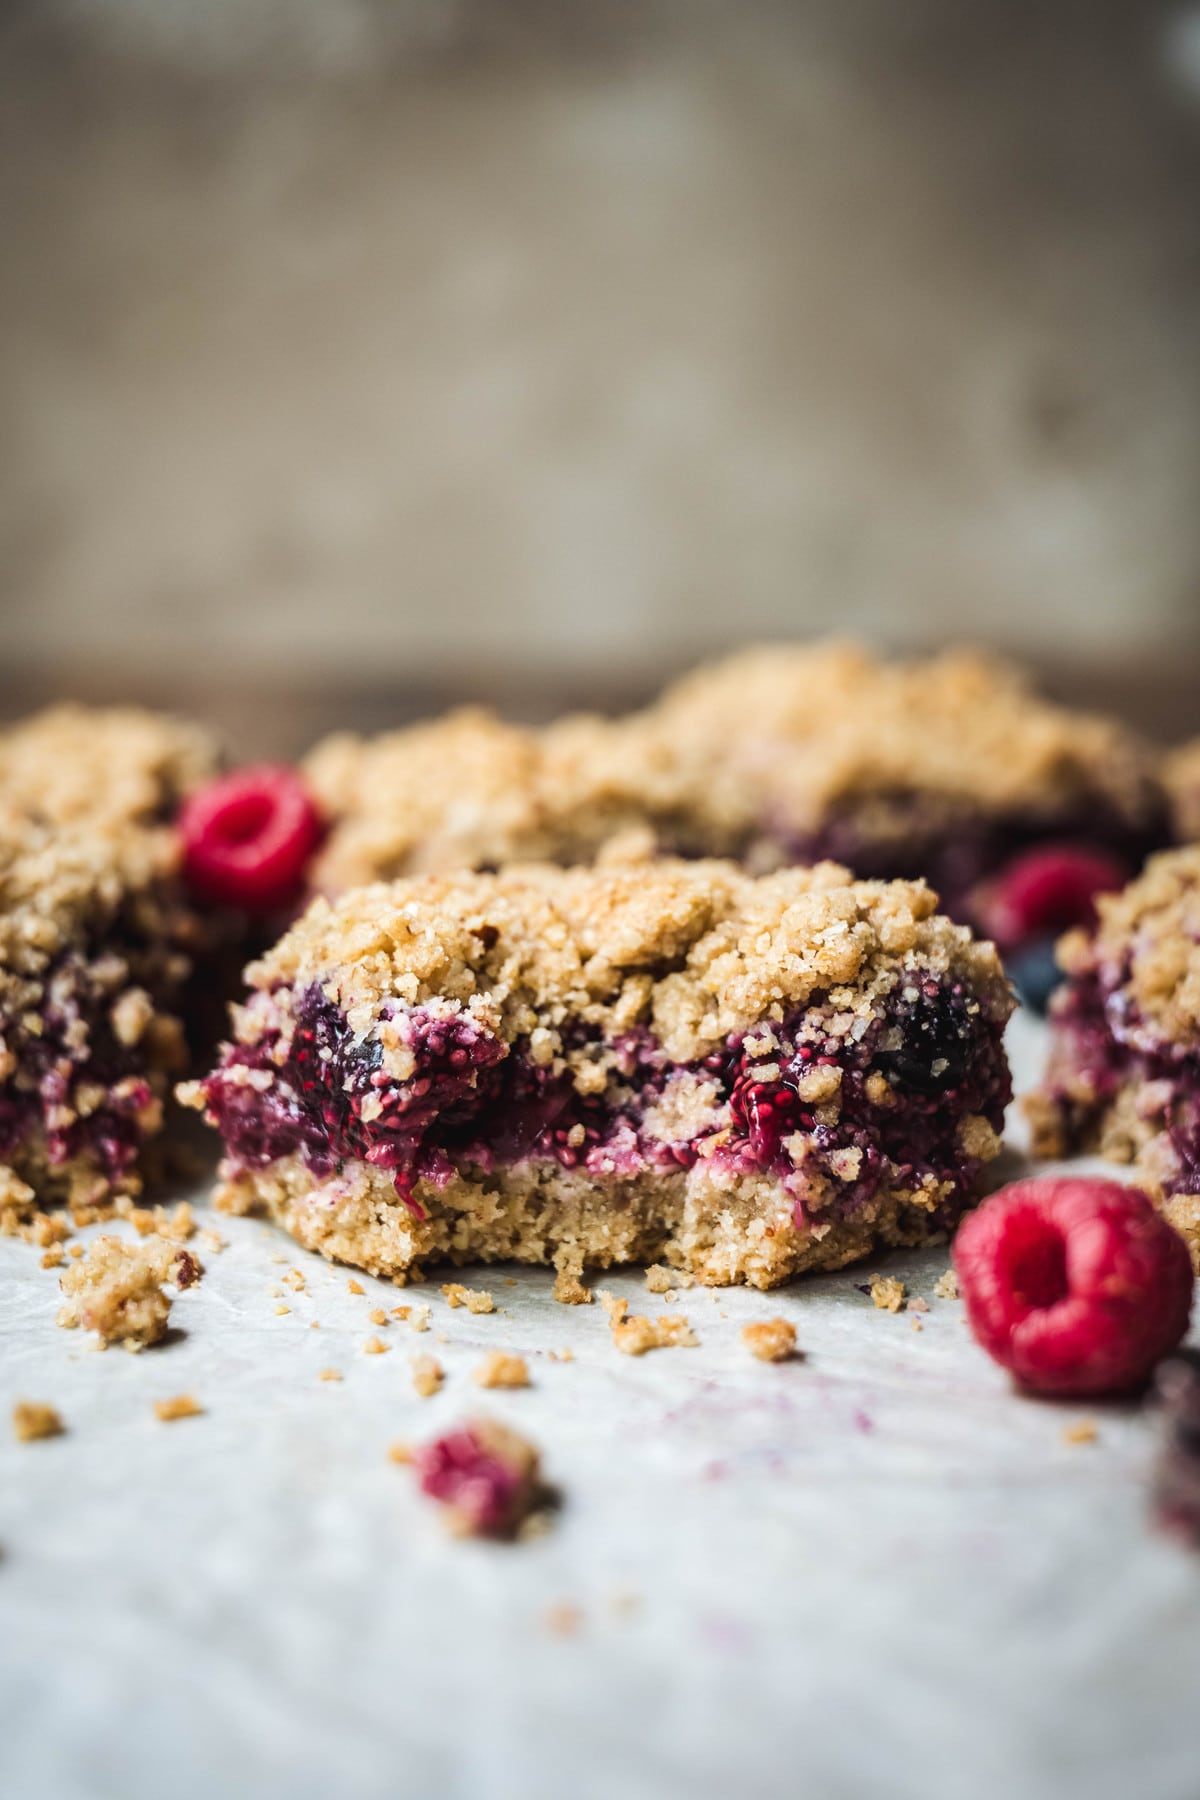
474,1104
75,1087
1103,1042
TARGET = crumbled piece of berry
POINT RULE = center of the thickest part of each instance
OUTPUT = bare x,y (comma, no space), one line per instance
248,837
1075,1286
487,1475
1177,1474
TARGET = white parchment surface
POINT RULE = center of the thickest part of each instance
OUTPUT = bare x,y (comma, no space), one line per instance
873,1571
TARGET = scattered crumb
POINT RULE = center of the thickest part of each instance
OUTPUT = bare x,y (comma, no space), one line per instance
212,1241
510,1281
636,1335
277,1256
375,1346
421,1316
917,1325
330,1375
428,1375
355,1287
614,1307
946,1286
887,1293
180,1406
401,1313
659,1280
377,1316
51,1259
918,1305
771,1340
75,1250
1082,1432
400,1453
117,1290
568,1290
476,1300
49,1228
314,1324
563,1619
500,1370
567,1355
487,1477
156,1221
296,1280
33,1419
282,1309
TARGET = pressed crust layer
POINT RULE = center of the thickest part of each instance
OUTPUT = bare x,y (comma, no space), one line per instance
1123,1077
781,754
669,1061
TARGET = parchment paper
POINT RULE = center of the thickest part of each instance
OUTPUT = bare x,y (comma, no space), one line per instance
873,1571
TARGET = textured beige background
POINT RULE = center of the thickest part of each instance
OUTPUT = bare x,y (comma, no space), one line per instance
344,345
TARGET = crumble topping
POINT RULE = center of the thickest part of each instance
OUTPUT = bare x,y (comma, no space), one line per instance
375,1346
487,1476
33,1419
695,951
569,1290
1147,941
946,1286
116,1290
771,1340
634,1334
761,749
116,766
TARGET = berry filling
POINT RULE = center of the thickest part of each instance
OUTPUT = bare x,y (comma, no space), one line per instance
831,1103
481,1487
1101,1045
1075,1286
77,1088
248,838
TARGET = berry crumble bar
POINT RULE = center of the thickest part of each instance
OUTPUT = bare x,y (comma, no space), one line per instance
658,1061
946,769
96,945
1124,1069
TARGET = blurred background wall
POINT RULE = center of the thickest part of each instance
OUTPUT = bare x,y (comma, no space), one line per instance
380,352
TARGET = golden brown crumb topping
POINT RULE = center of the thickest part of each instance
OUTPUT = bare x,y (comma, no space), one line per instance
476,1300
696,951
33,1419
106,766
1148,942
773,741
771,1340
887,1293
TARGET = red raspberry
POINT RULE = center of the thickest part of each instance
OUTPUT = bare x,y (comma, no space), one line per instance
1075,1286
1045,891
247,838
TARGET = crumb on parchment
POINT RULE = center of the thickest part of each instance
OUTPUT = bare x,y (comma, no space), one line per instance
116,1290
946,1286
887,1293
427,1375
377,1316
179,1406
33,1419
771,1340
329,1375
637,1334
502,1370
1083,1431
375,1346
400,1453
476,1300
569,1290
355,1287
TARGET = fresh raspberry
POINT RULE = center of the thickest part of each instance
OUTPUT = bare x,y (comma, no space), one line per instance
1046,890
247,838
1075,1286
